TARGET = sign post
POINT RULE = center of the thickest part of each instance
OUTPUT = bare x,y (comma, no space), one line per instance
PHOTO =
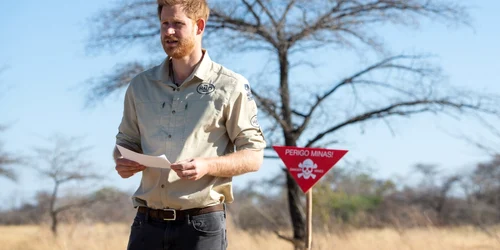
307,166
309,208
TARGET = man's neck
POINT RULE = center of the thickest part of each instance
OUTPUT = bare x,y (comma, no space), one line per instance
183,67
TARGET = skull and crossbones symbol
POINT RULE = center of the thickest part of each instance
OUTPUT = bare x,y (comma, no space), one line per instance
307,169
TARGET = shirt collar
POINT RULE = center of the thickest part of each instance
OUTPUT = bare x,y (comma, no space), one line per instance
162,72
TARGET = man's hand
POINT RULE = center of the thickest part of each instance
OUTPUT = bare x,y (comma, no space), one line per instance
192,169
127,168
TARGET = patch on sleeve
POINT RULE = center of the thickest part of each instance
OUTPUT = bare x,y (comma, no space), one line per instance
249,92
254,121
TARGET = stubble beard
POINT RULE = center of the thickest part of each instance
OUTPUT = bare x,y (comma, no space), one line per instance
183,48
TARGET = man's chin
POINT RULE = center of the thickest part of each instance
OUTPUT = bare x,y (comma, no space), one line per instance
171,53
176,54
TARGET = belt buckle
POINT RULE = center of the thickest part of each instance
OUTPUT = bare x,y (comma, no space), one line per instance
173,211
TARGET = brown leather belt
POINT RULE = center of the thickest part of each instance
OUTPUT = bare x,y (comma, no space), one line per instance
172,214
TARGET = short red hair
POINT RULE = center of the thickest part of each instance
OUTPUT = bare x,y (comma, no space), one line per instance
194,9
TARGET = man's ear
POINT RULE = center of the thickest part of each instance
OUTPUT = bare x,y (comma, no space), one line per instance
200,25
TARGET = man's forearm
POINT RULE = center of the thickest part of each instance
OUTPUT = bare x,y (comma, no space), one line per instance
237,163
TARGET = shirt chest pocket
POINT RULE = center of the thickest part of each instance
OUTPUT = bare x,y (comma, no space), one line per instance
203,115
148,119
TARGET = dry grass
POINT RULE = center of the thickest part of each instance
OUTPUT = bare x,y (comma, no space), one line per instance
114,237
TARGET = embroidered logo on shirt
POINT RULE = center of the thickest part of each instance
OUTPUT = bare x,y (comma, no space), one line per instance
254,121
249,92
205,88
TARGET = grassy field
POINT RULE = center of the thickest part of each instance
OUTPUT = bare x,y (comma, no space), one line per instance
114,237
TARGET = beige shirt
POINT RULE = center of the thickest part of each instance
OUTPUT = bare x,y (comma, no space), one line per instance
211,114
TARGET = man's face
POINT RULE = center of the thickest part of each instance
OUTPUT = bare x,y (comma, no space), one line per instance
178,32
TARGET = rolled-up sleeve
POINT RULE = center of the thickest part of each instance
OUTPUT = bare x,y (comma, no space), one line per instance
128,132
242,123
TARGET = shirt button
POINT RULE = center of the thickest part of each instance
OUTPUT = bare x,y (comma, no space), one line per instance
173,111
169,136
162,186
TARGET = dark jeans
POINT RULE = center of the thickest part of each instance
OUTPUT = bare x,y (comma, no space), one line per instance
199,232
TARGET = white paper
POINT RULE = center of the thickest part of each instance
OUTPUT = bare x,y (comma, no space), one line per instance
146,160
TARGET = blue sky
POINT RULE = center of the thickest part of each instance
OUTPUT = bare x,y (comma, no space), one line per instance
43,50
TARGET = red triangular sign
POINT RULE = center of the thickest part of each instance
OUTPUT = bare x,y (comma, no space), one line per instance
308,165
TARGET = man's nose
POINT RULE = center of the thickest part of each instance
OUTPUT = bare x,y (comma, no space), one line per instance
167,29
170,31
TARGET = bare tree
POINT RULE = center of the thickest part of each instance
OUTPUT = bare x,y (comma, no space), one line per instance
63,163
393,85
486,182
7,159
434,190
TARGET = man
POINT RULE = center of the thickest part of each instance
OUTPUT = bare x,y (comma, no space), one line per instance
203,118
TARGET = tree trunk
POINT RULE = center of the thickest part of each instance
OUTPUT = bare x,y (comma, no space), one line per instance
293,190
296,215
294,206
285,95
53,227
52,207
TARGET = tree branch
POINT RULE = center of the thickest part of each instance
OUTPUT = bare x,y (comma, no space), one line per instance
307,30
250,8
268,13
111,28
352,16
295,112
383,64
270,109
121,75
396,109
223,21
283,17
